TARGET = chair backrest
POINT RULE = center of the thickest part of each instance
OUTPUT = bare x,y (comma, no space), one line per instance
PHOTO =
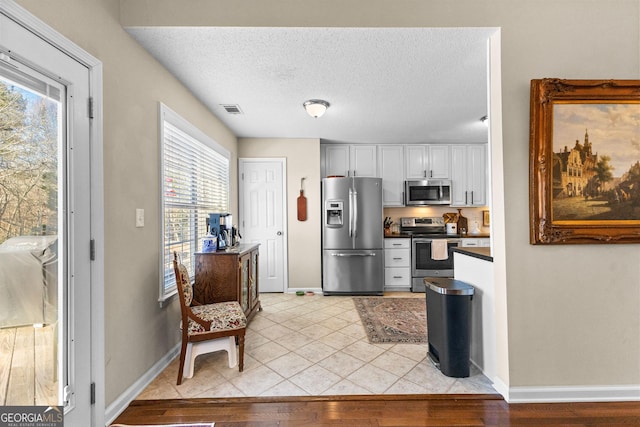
183,282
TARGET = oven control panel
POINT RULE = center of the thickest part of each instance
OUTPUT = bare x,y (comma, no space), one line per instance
436,221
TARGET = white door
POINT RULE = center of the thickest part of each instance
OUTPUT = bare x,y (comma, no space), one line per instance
50,202
262,206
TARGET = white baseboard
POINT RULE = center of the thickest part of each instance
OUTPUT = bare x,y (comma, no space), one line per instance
314,290
550,394
122,401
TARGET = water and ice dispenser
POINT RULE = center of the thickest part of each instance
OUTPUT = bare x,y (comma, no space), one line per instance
334,213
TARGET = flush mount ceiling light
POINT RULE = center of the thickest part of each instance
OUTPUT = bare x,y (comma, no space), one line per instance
315,107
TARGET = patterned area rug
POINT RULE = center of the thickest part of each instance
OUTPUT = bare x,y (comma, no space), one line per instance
393,320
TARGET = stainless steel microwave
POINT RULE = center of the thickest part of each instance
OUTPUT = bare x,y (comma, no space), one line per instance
427,192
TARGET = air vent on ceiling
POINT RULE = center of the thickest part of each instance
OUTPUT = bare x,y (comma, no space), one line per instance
232,108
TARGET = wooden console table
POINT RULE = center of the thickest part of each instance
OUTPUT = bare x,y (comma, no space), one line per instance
229,275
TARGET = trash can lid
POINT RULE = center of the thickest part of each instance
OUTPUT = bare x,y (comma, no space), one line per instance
447,286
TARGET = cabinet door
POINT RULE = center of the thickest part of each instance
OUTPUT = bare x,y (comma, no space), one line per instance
458,175
253,281
363,160
477,175
416,161
244,278
469,175
391,170
439,162
397,258
397,278
468,243
336,160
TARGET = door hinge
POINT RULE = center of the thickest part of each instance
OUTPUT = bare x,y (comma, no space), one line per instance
92,250
93,393
91,108
66,395
4,57
242,176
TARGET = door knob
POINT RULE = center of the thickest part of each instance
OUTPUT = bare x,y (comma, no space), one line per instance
279,233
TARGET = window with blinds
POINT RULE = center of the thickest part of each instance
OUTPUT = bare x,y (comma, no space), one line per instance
195,183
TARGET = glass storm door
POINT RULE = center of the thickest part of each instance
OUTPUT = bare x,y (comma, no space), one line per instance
45,281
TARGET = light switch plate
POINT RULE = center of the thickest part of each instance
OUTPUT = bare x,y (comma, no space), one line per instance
139,217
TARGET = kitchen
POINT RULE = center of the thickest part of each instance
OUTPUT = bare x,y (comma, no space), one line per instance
428,192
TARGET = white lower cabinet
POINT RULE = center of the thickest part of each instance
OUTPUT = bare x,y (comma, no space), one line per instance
481,242
397,264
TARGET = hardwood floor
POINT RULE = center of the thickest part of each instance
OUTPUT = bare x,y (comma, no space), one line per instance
379,410
27,366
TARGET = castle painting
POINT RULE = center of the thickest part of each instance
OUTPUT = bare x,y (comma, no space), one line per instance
596,162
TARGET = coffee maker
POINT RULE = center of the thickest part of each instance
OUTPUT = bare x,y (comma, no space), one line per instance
220,225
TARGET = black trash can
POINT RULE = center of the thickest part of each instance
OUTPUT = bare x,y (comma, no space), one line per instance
449,324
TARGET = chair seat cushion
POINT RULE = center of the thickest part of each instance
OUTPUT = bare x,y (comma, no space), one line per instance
224,316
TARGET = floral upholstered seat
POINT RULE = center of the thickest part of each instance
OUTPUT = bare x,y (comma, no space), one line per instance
223,316
211,327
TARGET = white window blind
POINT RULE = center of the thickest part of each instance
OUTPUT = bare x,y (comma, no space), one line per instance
195,183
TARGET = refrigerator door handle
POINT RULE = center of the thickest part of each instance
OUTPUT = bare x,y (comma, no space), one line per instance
350,255
355,213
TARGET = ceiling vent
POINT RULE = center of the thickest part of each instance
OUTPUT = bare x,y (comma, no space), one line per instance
232,108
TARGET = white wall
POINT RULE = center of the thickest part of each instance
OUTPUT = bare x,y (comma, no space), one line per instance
303,237
137,331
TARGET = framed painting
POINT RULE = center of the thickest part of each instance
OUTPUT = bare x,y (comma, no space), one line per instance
584,161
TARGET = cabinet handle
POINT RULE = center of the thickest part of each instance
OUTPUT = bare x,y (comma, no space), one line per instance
424,173
398,277
430,174
397,259
465,197
472,197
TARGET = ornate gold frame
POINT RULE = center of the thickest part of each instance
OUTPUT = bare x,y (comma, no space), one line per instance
545,93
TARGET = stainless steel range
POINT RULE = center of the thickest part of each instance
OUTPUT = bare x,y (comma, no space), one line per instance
431,249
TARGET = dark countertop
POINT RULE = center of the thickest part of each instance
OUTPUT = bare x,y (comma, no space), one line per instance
451,236
476,236
480,253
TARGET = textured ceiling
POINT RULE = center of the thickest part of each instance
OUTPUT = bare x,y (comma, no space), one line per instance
385,85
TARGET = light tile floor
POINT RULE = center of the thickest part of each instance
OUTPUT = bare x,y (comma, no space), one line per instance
313,345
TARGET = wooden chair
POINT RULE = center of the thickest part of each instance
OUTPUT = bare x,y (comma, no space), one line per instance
207,327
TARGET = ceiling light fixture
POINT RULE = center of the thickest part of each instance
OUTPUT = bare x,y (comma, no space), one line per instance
315,107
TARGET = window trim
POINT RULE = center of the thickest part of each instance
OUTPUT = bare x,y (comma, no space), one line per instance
166,114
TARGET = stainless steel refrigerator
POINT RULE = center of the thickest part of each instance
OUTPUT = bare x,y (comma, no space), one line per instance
352,236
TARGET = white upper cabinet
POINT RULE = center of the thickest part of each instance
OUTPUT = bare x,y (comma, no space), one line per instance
336,160
427,161
350,160
391,170
469,175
